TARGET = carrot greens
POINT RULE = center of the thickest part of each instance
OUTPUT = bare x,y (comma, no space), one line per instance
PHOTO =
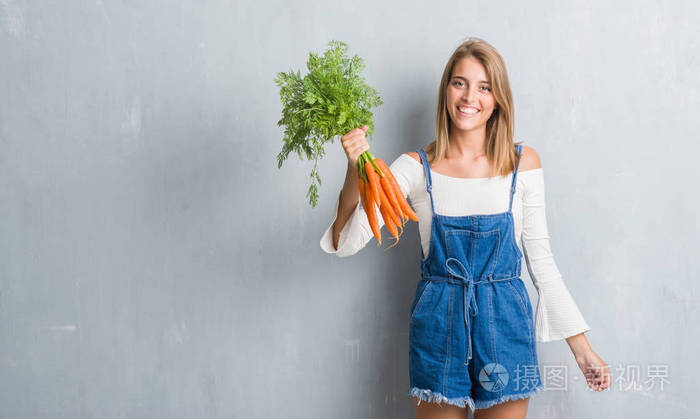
329,101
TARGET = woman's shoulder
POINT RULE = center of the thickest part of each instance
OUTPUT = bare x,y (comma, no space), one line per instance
529,160
404,159
414,155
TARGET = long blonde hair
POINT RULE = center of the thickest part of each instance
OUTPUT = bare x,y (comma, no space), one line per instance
500,148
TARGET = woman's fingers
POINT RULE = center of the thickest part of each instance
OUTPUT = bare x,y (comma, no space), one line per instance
598,377
355,143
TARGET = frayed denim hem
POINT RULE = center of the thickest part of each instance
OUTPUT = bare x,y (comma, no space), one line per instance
432,396
485,404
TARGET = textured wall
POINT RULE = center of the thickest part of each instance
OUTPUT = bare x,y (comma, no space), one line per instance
155,262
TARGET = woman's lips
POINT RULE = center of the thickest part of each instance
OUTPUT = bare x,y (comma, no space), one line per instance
466,115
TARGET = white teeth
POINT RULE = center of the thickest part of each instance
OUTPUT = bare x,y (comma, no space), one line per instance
468,110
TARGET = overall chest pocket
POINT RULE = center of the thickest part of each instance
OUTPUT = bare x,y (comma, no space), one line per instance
477,250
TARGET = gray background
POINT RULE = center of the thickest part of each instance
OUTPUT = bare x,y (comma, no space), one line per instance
155,262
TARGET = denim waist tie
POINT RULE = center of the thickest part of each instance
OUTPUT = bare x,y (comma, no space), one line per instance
469,299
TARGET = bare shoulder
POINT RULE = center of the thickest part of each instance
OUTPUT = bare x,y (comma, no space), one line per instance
414,154
530,159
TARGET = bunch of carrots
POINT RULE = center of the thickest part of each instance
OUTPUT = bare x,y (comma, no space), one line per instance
379,187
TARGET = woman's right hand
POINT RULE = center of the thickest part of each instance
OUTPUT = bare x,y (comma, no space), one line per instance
354,144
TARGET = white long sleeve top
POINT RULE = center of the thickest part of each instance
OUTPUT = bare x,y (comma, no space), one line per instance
557,316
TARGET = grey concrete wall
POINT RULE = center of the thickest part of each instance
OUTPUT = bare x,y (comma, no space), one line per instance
155,262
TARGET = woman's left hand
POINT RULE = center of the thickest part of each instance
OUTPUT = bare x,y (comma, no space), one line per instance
595,370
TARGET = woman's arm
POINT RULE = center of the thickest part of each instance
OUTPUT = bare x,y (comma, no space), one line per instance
557,314
596,371
348,200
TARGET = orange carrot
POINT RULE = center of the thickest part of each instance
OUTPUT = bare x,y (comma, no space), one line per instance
391,194
390,225
368,205
386,204
373,181
401,198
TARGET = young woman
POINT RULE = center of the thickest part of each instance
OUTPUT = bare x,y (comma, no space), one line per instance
480,202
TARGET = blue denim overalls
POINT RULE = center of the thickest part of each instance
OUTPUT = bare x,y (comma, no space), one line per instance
471,328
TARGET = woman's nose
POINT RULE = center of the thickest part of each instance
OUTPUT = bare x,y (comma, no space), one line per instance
468,95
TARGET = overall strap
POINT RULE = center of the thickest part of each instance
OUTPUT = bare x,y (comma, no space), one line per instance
428,178
519,148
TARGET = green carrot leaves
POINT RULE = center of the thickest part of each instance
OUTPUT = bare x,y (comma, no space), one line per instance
329,101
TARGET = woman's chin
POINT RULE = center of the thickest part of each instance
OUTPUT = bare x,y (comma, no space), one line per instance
466,126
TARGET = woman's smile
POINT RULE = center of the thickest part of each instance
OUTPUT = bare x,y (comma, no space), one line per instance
471,111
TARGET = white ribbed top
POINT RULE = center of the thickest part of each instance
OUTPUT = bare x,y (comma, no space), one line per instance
557,316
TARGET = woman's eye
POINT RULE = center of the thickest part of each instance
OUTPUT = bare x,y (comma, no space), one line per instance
459,84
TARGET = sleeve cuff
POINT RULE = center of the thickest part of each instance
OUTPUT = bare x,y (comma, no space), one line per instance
345,247
567,321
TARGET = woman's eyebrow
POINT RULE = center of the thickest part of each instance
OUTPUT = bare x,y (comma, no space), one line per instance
480,81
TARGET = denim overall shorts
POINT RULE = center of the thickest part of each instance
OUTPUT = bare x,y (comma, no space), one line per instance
471,328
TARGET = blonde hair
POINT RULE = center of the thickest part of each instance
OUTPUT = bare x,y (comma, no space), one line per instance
500,148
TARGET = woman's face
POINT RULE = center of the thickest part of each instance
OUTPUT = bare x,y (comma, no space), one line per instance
469,88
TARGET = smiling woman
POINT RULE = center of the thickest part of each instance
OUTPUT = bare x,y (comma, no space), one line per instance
479,197
474,79
458,92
